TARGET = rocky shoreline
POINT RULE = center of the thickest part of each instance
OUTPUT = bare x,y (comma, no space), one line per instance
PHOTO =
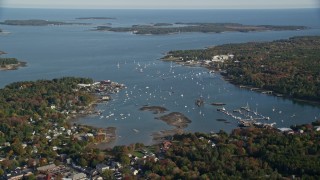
154,109
110,136
102,91
160,136
176,119
13,66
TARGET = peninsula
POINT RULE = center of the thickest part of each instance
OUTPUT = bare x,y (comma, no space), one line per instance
35,118
37,22
283,67
166,28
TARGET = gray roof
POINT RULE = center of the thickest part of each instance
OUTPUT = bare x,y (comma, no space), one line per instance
46,168
79,176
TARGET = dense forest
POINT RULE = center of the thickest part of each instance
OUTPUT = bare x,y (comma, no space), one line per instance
290,67
23,100
252,153
36,126
244,154
29,110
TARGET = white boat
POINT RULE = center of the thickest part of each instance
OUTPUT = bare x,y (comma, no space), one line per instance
221,109
247,108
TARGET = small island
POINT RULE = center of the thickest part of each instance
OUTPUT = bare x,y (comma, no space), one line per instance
176,119
37,22
10,63
283,67
154,109
166,28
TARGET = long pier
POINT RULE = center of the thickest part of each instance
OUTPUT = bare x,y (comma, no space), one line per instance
249,117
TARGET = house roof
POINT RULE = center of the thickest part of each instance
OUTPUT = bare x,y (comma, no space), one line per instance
285,129
46,168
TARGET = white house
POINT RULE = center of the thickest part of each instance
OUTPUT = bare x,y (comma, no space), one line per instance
220,58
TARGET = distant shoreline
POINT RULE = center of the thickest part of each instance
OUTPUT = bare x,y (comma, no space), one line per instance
38,22
180,27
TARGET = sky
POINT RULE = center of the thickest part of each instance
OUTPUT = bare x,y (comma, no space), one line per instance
162,4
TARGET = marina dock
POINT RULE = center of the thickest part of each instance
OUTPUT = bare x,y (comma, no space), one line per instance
246,117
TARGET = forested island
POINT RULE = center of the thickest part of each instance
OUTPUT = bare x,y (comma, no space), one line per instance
166,28
10,63
283,67
37,22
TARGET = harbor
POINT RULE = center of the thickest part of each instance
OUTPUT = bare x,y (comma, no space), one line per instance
134,60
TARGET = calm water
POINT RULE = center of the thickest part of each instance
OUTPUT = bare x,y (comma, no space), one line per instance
57,51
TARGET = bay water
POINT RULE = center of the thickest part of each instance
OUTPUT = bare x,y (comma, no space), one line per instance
134,60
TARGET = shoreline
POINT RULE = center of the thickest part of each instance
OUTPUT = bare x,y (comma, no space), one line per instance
160,136
266,91
90,110
9,67
248,87
154,109
176,120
